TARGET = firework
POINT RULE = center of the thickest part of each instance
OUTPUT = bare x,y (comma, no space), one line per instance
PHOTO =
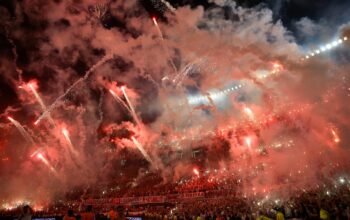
168,5
142,150
248,142
56,103
186,71
132,110
21,130
119,100
41,103
195,171
162,5
249,113
46,162
277,67
70,144
336,138
154,19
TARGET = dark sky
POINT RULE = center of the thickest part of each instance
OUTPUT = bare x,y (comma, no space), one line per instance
329,13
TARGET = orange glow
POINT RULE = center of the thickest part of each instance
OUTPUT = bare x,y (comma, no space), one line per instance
336,138
195,171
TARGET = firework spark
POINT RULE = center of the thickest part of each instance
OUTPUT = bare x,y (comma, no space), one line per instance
119,100
21,130
134,115
165,47
196,172
56,103
249,113
336,138
70,144
41,103
46,162
142,150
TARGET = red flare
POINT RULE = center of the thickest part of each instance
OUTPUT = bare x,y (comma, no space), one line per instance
40,156
336,138
154,19
65,131
195,171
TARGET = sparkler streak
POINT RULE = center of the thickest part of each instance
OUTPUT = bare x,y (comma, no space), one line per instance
132,110
119,100
142,150
165,48
46,162
55,104
70,144
23,131
41,103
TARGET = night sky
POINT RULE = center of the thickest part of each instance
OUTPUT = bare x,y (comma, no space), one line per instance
325,12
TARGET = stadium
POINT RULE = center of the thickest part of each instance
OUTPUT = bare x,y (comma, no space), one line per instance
155,109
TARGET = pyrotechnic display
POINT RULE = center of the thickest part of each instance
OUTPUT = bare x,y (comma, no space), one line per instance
128,100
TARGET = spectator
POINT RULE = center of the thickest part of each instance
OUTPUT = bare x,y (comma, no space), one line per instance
120,211
69,215
112,214
88,214
26,213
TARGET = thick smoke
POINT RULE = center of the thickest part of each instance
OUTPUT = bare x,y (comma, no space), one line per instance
285,140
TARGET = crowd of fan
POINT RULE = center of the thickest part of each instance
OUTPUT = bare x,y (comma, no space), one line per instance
220,201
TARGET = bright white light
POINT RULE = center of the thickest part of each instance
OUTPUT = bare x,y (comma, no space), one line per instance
195,100
65,132
249,113
326,47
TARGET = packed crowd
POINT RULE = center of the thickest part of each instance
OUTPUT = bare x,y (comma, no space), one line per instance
198,198
326,203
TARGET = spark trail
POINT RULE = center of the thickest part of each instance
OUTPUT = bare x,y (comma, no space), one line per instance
41,103
248,142
336,138
165,48
119,100
159,4
70,144
142,150
132,110
56,103
249,113
21,130
178,79
46,162
168,5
